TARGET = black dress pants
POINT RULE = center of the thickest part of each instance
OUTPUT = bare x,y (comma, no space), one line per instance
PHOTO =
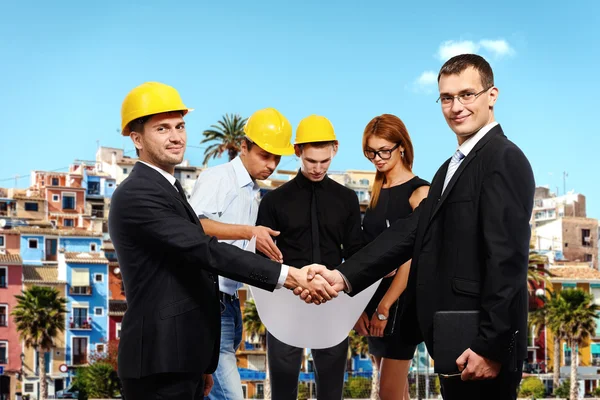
284,368
504,387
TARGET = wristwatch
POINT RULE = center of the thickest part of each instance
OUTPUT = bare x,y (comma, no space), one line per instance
380,316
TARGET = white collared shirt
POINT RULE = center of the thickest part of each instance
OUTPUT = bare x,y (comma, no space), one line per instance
469,144
164,173
226,193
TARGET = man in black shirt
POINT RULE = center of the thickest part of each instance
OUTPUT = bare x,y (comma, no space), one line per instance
319,222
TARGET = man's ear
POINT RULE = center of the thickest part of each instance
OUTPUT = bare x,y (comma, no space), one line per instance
336,145
136,138
298,150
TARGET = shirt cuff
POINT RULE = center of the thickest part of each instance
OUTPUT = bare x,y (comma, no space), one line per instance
348,286
282,276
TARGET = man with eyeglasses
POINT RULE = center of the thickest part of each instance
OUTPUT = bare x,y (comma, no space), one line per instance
469,242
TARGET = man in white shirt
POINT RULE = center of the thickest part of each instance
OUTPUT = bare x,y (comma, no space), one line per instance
225,198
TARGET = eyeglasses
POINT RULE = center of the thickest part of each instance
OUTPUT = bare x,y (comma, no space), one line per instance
385,154
464,98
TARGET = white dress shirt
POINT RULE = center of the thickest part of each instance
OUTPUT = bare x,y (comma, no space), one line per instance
471,142
226,193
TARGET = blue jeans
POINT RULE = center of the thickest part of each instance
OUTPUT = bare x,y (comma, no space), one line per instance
228,385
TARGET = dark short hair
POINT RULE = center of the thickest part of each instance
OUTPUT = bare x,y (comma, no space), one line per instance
249,143
318,145
458,64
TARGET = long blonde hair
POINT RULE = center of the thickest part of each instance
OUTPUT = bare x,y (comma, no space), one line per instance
392,129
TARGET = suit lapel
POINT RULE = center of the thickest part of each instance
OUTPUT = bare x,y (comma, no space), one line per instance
465,163
162,181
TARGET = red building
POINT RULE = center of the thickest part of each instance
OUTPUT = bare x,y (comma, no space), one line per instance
11,284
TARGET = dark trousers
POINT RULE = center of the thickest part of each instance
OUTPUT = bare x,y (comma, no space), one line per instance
171,386
504,387
284,369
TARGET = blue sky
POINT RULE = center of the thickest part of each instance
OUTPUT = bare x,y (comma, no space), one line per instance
67,65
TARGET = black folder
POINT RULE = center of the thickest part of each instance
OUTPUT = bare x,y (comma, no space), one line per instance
453,333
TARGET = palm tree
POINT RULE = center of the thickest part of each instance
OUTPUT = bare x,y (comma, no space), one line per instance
548,316
360,346
536,274
578,314
255,328
40,318
228,134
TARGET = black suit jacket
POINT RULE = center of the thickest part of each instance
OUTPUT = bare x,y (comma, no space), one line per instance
469,249
169,267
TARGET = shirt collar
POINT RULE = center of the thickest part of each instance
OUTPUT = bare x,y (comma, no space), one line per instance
304,182
241,173
164,173
471,142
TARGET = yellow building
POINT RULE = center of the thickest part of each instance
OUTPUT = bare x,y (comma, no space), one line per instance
44,276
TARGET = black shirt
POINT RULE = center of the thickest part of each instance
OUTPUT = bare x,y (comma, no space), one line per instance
287,210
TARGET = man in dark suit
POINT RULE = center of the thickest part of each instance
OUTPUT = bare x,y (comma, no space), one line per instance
469,241
170,333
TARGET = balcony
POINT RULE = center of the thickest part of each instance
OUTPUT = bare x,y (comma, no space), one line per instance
80,324
97,213
80,290
80,359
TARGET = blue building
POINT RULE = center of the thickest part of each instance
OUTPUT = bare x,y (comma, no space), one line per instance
86,274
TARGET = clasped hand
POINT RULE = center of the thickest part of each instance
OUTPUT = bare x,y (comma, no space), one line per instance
315,283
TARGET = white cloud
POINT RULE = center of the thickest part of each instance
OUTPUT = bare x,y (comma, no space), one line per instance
425,82
451,48
497,48
427,78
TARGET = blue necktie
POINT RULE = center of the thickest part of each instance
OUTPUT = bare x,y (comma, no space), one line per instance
452,167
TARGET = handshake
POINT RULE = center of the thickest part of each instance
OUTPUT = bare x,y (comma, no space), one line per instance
315,283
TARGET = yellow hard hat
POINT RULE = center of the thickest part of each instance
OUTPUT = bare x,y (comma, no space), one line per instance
314,128
271,131
148,99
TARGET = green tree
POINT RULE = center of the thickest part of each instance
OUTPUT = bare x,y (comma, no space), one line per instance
578,315
227,134
98,380
39,318
532,387
255,328
359,345
537,272
563,390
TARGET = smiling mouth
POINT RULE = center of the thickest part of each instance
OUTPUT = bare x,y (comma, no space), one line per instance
461,118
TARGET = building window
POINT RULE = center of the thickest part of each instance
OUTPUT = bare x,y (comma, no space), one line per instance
3,352
586,239
80,318
68,222
93,246
3,277
567,355
118,330
188,176
55,182
245,391
53,223
80,281
29,388
31,206
111,185
566,244
2,244
587,257
260,390
80,350
3,315
124,170
68,201
55,198
98,278
32,243
99,348
99,311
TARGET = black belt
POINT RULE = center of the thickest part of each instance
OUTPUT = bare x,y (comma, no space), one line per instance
227,297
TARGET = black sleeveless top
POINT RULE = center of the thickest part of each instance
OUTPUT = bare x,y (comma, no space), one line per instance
393,204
